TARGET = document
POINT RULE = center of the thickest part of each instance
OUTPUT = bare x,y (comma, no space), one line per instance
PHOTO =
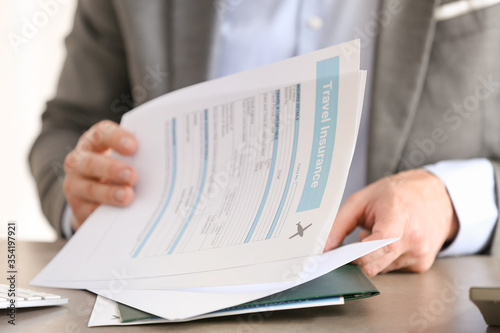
183,304
238,177
105,312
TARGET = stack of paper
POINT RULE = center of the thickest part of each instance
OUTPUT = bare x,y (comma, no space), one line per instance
345,283
240,179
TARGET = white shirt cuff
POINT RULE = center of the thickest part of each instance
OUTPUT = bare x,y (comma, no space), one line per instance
471,186
66,229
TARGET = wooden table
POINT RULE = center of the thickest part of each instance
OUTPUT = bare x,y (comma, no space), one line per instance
436,301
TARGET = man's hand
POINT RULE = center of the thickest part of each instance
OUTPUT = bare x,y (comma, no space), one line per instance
92,177
413,206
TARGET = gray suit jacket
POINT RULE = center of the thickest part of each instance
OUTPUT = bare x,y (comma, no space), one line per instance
431,97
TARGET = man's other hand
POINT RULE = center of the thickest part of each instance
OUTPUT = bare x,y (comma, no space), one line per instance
413,206
93,177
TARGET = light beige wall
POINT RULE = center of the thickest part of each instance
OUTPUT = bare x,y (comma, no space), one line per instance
31,55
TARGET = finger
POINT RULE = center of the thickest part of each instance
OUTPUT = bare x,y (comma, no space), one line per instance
98,166
97,192
377,261
81,211
373,268
410,262
347,219
107,134
395,249
401,264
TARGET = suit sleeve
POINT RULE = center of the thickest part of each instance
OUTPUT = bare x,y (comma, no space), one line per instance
93,78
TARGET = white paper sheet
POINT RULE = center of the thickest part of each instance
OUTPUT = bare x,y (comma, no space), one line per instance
182,304
238,171
240,180
106,313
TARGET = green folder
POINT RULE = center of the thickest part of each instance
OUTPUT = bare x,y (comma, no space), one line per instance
348,281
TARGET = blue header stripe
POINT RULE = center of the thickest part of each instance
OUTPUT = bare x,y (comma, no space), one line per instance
325,125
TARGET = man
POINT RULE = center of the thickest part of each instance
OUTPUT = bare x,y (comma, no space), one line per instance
434,97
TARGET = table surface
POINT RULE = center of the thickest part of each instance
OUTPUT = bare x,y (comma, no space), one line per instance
435,301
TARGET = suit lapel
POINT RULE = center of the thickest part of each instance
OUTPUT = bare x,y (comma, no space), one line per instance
167,44
144,29
402,56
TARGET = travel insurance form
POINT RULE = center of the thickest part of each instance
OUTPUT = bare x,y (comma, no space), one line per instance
243,170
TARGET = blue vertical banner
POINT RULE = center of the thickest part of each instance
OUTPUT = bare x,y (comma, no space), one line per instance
325,125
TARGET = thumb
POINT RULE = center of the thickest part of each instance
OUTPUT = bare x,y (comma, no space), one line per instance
349,216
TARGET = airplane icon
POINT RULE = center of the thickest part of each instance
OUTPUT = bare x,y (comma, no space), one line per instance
300,230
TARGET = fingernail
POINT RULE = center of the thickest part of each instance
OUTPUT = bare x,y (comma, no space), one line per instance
120,195
125,175
127,143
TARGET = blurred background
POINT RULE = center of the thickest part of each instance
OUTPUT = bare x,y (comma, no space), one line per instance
32,51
